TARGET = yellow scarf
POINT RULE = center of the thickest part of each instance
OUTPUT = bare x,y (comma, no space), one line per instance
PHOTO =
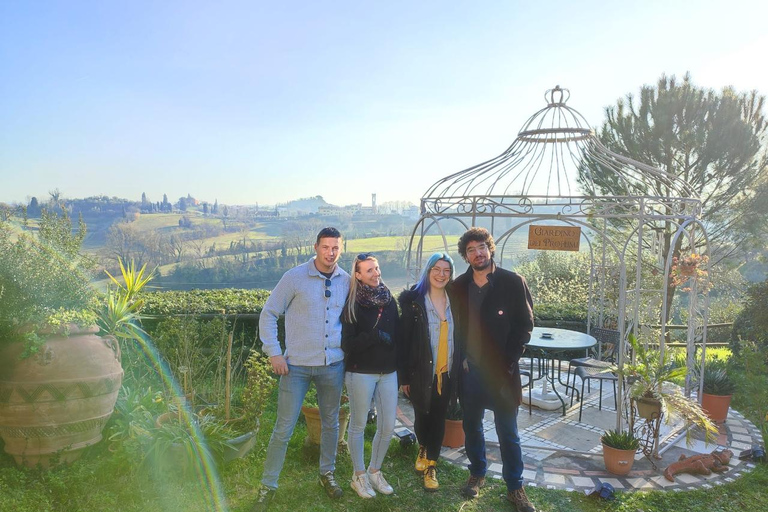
442,356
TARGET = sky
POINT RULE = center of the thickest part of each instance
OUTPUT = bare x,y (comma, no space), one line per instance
262,102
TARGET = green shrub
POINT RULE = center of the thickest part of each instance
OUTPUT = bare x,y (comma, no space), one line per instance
190,302
752,323
561,312
44,280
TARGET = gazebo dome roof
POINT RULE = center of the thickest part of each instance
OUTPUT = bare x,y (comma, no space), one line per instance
556,154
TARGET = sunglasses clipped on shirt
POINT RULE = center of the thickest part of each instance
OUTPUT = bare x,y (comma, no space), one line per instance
327,288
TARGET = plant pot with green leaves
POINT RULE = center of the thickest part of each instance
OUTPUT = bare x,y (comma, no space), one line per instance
60,369
311,412
454,429
149,428
619,449
652,390
718,390
168,433
259,386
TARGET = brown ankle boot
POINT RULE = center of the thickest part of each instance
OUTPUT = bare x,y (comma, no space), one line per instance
520,500
472,488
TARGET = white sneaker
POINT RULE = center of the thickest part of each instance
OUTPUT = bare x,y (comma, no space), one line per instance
362,486
378,482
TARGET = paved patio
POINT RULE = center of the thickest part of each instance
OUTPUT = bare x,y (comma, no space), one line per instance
547,436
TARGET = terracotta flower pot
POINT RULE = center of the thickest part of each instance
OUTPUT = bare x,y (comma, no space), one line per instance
716,406
454,434
314,427
56,403
618,462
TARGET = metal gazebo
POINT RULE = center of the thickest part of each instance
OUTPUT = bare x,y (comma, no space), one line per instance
553,172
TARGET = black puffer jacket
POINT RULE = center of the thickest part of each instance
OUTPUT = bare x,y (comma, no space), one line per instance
415,352
368,344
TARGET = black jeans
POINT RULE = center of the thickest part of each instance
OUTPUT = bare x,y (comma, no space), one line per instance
430,426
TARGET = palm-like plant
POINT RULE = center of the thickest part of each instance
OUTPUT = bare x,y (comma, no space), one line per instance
649,370
650,376
122,313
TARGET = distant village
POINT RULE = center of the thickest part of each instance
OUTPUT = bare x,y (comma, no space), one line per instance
130,209
318,206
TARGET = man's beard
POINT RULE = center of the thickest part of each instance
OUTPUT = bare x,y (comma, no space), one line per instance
484,266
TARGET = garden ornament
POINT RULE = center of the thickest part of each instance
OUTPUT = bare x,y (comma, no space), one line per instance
405,436
603,490
705,464
756,453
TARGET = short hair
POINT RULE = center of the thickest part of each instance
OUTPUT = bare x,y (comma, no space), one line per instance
476,235
328,232
422,286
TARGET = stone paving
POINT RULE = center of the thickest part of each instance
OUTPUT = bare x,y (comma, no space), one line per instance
547,437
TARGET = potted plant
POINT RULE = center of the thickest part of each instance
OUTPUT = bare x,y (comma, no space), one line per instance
718,390
685,268
260,383
150,428
651,388
172,433
619,450
60,369
454,430
311,412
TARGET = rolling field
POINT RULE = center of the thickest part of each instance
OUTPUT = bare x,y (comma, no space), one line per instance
432,243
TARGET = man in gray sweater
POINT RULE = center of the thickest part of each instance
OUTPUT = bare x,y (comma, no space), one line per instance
311,296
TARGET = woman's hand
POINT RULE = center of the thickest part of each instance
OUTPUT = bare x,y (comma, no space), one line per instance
406,389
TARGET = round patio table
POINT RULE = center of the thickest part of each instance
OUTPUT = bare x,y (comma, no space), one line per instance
549,342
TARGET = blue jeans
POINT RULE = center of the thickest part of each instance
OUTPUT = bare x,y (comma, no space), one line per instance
361,388
328,381
477,396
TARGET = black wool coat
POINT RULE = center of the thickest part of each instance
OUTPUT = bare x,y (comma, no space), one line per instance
506,316
415,352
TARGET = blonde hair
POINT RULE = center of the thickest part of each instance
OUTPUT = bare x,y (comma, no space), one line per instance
349,307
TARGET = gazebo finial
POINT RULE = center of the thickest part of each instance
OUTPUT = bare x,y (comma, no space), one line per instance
549,96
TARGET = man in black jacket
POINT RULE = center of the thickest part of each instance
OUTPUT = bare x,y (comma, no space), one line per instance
493,311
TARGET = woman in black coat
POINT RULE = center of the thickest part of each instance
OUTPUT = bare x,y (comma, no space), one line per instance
429,359
368,337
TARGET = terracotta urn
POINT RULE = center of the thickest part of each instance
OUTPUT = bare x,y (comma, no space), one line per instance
55,403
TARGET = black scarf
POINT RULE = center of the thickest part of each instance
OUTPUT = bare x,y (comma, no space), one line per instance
373,297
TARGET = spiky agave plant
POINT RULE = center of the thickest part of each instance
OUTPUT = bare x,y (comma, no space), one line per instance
620,440
121,316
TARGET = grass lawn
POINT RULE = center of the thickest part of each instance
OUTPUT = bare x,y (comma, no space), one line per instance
103,481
